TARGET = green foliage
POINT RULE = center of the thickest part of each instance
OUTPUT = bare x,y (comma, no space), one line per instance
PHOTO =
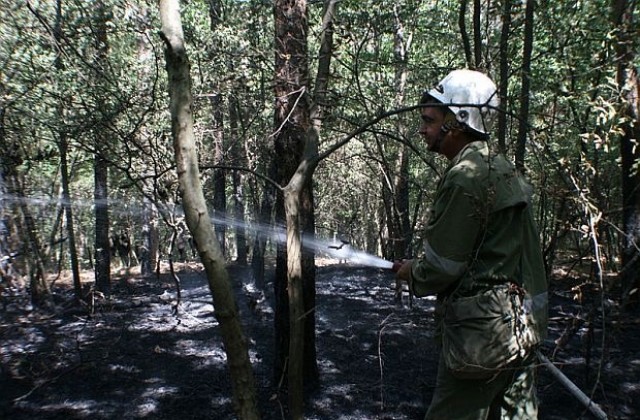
51,89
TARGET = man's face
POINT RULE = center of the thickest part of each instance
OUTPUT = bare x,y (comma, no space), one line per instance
430,127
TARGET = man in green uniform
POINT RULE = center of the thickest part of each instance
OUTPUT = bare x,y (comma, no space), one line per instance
480,241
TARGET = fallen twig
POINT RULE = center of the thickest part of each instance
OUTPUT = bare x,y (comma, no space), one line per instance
573,389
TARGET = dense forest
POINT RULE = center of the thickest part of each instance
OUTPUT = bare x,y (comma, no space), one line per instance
292,126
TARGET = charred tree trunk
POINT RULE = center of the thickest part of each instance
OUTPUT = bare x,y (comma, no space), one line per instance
147,244
462,24
68,211
197,215
237,185
40,294
63,148
148,250
402,44
477,34
295,269
219,174
265,219
629,86
503,87
5,164
298,120
102,244
101,176
525,89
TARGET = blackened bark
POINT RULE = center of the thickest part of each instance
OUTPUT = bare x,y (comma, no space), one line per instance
40,294
101,176
63,147
147,250
525,88
102,245
219,174
462,24
504,75
237,185
627,78
477,34
295,144
402,220
265,219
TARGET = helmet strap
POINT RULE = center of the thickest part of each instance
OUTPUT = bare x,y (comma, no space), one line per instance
451,123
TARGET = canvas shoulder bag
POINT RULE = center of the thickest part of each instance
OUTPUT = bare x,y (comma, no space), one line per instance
482,334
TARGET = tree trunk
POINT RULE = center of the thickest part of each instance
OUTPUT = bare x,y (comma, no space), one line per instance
525,89
40,294
64,170
297,125
402,44
4,229
462,24
291,121
148,250
236,181
504,75
219,174
147,244
101,177
627,79
68,211
197,214
264,218
5,163
102,244
477,34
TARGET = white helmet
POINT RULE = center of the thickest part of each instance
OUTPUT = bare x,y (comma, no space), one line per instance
475,94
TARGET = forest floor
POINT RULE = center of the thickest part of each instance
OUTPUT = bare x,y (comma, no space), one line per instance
135,357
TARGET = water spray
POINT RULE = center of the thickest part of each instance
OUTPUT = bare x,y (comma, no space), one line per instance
344,251
338,249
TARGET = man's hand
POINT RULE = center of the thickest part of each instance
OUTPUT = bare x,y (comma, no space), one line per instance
403,269
403,275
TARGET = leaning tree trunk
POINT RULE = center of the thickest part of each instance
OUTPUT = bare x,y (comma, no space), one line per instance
197,214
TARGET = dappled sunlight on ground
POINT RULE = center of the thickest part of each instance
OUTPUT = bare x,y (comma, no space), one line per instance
143,355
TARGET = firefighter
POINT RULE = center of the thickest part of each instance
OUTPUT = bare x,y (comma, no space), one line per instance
480,241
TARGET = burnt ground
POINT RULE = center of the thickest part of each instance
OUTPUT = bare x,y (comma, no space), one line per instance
135,358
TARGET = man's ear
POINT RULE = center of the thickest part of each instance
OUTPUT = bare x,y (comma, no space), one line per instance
459,134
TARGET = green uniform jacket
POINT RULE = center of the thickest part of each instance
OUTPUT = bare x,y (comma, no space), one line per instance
481,231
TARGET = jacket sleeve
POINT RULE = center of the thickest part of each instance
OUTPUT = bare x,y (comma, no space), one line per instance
449,240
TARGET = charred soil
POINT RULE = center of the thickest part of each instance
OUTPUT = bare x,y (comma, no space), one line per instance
139,355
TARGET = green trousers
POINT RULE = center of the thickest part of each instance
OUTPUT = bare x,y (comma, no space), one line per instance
509,395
